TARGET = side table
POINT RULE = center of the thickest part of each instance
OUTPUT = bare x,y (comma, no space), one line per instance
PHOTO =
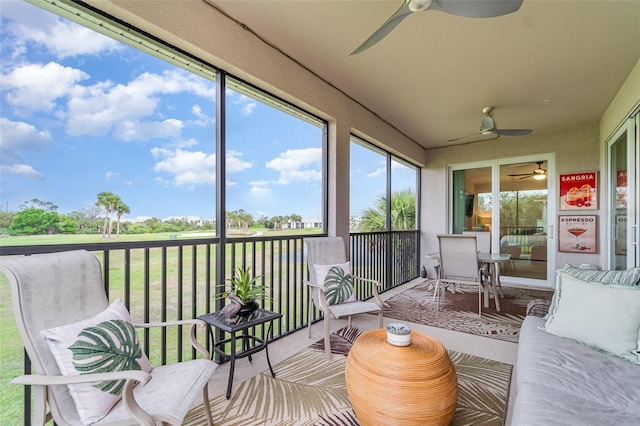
250,344
401,385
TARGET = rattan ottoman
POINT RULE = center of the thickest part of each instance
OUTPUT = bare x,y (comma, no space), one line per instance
392,385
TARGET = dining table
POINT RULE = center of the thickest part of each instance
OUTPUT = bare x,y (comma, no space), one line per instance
493,261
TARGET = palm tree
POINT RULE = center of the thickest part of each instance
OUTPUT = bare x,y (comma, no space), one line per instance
403,212
120,207
108,200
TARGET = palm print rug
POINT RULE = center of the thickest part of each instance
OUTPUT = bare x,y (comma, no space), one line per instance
309,390
459,311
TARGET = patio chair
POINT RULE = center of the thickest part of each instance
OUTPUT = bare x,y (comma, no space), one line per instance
458,264
62,296
331,289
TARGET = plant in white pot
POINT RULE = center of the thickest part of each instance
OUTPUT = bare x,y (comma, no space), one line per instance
246,289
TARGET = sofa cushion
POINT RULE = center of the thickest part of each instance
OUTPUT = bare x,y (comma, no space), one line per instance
603,316
629,276
560,382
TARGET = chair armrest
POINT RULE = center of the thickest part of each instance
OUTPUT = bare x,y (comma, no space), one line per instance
132,377
318,286
374,288
42,380
192,331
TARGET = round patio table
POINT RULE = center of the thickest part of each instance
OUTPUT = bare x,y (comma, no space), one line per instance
401,385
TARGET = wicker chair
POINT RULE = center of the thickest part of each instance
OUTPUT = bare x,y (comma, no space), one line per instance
52,291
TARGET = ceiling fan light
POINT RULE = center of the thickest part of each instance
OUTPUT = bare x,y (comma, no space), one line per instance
539,176
419,5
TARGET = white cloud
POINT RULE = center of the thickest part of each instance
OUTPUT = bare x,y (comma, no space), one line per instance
377,172
37,87
188,168
296,165
259,188
234,164
18,137
245,103
29,24
110,175
125,109
23,170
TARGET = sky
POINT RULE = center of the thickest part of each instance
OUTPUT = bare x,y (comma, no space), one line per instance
81,113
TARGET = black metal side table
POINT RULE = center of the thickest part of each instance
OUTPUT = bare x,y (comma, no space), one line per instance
250,344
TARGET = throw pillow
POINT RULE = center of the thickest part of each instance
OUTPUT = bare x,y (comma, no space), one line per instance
602,316
107,342
629,276
337,281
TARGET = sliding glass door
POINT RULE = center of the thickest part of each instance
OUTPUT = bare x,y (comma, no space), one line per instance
512,199
623,183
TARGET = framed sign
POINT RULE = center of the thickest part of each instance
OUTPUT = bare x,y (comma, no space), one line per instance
578,191
578,234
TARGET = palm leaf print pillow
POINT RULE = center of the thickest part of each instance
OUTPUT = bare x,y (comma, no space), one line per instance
337,281
106,342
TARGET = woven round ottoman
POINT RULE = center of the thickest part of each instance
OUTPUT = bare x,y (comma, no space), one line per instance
393,385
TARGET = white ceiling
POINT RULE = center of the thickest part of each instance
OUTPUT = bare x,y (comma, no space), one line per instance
433,74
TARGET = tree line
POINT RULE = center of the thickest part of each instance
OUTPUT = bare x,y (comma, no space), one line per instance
37,217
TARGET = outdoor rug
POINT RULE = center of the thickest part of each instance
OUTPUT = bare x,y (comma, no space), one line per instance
459,311
309,390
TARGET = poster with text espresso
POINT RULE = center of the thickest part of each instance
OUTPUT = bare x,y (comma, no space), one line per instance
578,191
577,234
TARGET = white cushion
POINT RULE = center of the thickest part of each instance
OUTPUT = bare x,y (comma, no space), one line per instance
106,342
337,281
603,316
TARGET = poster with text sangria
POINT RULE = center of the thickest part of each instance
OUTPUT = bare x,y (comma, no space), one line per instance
578,191
577,234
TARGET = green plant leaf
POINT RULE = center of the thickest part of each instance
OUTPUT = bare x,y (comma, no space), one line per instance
108,346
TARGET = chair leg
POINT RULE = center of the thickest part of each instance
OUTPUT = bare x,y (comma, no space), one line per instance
480,300
349,321
309,309
380,319
207,406
327,337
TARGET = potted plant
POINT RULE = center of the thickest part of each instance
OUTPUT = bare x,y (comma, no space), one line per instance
246,289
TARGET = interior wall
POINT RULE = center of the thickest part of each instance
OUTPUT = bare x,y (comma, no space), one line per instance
576,149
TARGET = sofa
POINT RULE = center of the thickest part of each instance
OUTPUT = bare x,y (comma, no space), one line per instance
580,363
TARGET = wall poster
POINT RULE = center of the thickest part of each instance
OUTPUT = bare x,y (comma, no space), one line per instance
578,191
577,234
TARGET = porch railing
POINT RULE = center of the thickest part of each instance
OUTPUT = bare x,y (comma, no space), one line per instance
180,279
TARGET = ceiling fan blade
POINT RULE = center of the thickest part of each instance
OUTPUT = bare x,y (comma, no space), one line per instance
477,8
464,137
386,28
525,177
512,132
521,174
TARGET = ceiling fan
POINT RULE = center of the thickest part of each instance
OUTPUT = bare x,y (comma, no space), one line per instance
465,8
488,127
538,174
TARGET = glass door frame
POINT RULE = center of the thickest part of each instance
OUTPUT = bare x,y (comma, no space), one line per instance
552,201
631,127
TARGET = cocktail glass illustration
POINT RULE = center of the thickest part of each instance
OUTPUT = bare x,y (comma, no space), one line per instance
576,232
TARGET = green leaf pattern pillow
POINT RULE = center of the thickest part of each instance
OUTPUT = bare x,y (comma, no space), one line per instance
337,281
109,346
106,342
